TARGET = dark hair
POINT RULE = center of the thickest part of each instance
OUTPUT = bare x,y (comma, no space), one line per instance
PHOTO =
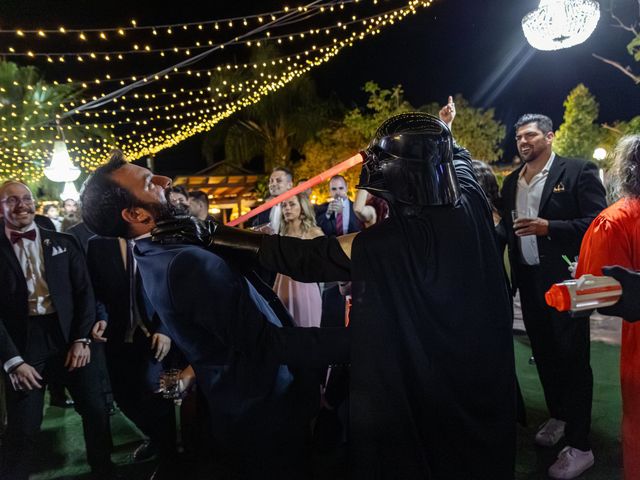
179,189
285,170
48,207
200,196
545,124
488,182
626,159
103,200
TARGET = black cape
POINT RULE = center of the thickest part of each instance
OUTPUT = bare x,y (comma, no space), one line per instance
432,368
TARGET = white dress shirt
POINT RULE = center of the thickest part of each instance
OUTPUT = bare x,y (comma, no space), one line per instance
528,197
275,215
345,215
31,259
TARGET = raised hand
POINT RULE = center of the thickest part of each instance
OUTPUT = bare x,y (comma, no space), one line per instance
448,112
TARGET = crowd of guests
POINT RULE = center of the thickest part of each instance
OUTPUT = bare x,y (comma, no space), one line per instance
75,310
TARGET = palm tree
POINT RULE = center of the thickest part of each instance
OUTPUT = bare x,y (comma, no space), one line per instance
29,107
276,126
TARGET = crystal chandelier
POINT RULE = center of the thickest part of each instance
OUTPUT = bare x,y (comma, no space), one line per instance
61,168
557,24
70,192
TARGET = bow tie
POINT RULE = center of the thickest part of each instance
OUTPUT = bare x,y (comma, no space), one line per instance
16,236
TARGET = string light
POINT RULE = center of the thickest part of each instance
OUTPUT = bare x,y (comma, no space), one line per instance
191,110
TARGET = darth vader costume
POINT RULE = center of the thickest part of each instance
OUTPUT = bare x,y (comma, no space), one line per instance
432,384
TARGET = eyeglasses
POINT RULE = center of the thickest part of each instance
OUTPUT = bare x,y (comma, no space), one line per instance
13,200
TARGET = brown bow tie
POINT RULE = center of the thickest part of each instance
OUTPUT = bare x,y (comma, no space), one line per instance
16,236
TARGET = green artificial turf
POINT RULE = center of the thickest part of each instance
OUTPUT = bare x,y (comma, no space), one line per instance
61,446
532,461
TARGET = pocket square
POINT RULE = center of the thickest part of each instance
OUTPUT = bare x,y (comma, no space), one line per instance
558,188
57,251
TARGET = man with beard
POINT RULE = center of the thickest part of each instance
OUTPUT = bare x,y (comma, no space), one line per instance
432,387
548,204
48,311
226,330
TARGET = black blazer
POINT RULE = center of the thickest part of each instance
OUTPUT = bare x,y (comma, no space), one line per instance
69,285
110,282
328,225
572,197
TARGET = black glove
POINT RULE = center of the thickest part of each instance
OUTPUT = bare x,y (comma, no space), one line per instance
185,229
628,307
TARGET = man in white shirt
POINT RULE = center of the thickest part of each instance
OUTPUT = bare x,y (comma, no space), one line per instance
549,202
280,181
48,311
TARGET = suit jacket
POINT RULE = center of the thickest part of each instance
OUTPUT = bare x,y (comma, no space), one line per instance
572,197
111,284
82,234
44,222
202,301
69,286
328,225
235,343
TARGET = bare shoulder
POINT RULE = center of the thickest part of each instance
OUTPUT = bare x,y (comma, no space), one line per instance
315,232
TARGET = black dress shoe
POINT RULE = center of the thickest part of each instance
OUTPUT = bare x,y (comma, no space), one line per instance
144,452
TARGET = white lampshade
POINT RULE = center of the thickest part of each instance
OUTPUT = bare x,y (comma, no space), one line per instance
557,24
61,169
70,192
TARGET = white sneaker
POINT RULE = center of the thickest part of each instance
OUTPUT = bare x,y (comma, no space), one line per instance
571,463
550,433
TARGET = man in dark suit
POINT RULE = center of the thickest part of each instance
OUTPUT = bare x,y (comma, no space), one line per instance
48,312
336,217
226,330
549,203
280,181
137,343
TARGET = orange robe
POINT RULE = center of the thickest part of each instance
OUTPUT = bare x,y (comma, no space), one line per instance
614,239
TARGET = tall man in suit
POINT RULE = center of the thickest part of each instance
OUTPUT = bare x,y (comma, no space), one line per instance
136,343
336,217
549,203
280,181
227,331
48,312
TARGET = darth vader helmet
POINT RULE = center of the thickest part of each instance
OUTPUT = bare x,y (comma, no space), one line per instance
409,162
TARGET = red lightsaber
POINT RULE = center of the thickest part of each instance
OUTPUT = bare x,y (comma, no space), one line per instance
312,182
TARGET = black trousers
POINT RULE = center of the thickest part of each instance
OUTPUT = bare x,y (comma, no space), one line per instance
134,375
46,352
561,347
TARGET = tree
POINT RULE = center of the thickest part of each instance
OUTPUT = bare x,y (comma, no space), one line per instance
475,128
579,133
276,126
28,109
633,47
344,139
610,134
382,104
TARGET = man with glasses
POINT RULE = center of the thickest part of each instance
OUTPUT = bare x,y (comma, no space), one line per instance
48,311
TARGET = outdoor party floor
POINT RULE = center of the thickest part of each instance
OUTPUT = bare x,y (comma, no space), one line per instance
61,447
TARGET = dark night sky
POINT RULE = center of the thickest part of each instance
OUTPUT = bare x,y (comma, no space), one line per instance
473,47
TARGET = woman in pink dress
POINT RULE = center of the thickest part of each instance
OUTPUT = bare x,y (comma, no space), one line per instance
303,300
